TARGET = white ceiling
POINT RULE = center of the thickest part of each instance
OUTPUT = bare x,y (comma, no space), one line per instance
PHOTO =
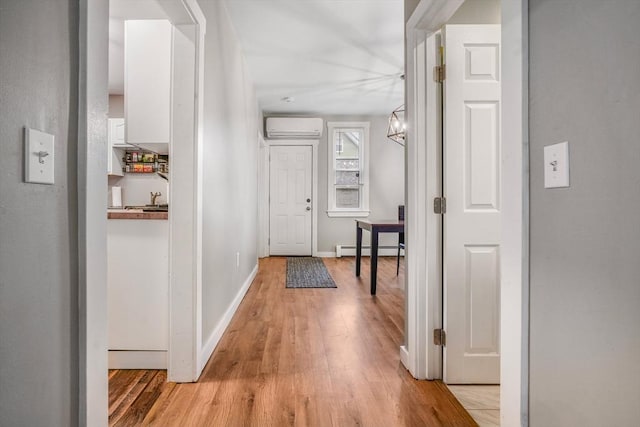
331,56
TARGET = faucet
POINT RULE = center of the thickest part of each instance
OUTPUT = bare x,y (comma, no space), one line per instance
154,196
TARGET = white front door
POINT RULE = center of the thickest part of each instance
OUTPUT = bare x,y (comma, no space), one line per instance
290,200
472,191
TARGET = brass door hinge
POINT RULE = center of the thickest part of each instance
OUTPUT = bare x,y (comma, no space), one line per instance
440,73
439,337
440,205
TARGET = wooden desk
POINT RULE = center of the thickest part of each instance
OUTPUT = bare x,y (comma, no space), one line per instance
375,227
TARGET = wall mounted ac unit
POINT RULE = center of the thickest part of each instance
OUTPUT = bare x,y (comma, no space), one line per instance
294,127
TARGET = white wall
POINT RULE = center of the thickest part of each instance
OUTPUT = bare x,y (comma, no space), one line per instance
386,185
386,189
230,169
38,223
585,240
136,188
386,178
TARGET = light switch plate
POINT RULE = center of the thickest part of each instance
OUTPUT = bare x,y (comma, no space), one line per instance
556,165
38,157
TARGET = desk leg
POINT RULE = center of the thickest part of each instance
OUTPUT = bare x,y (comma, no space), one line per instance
374,259
358,249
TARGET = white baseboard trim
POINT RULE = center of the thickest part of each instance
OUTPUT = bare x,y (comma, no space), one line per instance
210,344
137,359
350,250
326,254
404,357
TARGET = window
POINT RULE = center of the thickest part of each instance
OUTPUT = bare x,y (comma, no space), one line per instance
348,169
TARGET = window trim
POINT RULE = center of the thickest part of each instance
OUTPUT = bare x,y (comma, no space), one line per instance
332,210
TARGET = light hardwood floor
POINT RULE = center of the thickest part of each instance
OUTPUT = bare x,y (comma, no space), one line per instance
303,357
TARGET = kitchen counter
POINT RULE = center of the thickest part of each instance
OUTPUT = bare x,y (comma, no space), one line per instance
135,214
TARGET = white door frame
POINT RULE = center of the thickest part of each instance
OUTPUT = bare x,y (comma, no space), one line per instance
313,143
263,197
419,355
185,358
93,108
184,314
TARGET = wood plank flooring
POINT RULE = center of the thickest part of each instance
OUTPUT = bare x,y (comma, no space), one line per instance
299,357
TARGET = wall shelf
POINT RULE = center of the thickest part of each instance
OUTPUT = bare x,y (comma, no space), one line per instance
140,162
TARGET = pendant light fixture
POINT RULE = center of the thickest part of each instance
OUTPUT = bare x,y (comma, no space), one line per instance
397,126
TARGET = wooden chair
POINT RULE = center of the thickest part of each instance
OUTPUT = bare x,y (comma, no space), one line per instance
400,237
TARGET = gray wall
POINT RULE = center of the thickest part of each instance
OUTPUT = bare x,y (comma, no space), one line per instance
386,189
409,7
38,223
477,12
116,106
230,168
585,240
471,12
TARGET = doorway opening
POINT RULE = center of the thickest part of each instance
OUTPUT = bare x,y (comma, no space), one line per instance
183,260
468,48
487,176
154,67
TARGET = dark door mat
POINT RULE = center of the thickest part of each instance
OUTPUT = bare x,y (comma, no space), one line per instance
308,272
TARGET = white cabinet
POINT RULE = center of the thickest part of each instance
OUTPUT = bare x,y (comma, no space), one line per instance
117,132
138,293
115,149
148,56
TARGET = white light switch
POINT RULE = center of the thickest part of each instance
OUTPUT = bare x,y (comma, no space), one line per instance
38,157
556,165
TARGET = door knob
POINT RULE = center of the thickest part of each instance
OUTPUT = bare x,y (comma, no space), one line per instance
308,208
308,200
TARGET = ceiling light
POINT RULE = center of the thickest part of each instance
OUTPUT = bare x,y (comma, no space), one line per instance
397,126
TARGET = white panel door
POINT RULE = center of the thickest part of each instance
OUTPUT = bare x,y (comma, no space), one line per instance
472,189
290,204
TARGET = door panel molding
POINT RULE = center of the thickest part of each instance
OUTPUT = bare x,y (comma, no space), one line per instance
472,223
